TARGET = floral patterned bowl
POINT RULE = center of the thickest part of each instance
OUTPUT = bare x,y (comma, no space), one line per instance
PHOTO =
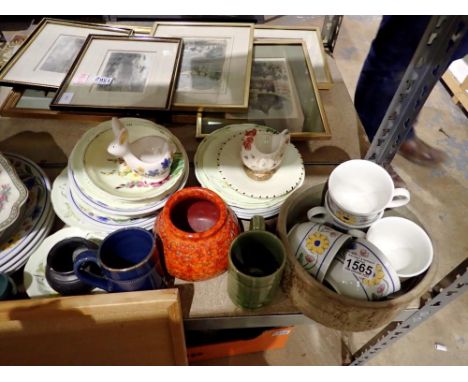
13,194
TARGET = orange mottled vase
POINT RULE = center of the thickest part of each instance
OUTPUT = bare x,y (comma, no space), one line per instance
196,229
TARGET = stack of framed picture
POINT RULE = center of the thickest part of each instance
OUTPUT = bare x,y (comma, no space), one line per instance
221,73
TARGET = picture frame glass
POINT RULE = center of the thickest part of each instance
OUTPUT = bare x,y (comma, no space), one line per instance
282,95
215,64
118,72
313,41
46,58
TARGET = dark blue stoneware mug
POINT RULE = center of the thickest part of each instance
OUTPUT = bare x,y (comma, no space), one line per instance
126,259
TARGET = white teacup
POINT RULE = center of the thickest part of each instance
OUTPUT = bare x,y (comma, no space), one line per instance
324,214
362,190
315,246
405,244
362,271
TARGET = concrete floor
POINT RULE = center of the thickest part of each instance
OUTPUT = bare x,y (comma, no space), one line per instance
439,199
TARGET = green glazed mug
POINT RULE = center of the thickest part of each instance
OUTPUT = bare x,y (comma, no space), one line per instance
256,262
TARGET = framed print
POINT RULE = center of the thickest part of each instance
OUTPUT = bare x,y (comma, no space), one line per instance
283,94
46,56
128,73
313,40
215,66
34,103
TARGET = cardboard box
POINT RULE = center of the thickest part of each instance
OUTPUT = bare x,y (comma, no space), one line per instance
269,339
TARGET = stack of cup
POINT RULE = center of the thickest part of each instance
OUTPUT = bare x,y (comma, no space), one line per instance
335,249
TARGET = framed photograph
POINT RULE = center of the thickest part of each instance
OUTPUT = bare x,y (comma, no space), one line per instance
283,94
216,64
46,56
313,40
125,73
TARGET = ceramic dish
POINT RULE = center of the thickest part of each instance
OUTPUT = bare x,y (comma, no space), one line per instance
289,175
103,176
35,281
13,194
207,174
17,262
36,220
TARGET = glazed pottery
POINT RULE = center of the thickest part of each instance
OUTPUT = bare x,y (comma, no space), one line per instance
405,244
253,197
287,177
149,156
109,180
362,271
35,282
7,287
35,221
262,152
13,194
315,246
126,259
59,266
343,220
191,254
363,189
256,262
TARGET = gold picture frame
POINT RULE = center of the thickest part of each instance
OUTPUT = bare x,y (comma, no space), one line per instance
312,37
275,97
44,58
113,73
215,66
34,103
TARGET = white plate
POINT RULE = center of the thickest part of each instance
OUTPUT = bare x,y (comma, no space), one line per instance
100,175
35,282
289,175
208,176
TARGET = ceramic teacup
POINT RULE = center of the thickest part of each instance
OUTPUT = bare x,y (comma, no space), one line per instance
344,221
362,271
405,244
126,259
59,266
256,262
262,152
315,245
360,190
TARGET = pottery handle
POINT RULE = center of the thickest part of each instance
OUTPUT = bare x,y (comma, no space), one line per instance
401,196
257,223
79,263
318,215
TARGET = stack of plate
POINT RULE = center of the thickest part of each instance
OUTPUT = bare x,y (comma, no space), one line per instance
33,224
99,192
218,166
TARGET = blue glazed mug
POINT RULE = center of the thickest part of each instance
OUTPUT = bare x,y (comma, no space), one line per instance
126,259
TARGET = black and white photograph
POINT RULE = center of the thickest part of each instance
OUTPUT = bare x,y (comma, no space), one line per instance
128,71
62,53
203,65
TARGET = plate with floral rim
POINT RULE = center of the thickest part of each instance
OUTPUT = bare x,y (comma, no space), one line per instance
13,194
99,173
36,207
